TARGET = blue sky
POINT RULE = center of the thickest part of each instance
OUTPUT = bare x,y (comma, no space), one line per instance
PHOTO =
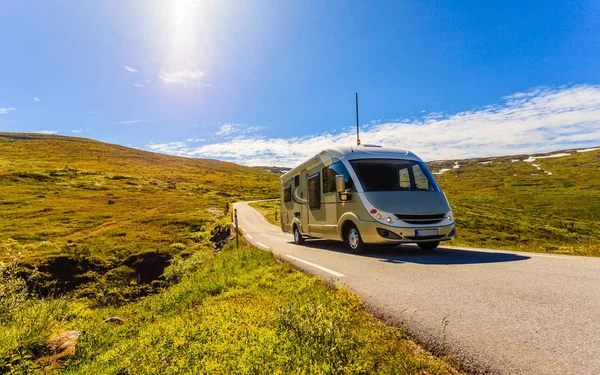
270,82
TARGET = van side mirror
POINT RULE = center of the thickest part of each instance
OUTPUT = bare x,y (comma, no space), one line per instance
340,186
340,183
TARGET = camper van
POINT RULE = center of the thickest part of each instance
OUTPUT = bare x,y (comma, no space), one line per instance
365,195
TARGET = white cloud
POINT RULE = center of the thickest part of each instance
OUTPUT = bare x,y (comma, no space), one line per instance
540,120
76,131
36,99
184,76
174,148
47,131
141,83
195,140
128,122
4,111
130,69
229,129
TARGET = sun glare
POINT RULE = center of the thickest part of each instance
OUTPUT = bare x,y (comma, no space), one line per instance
187,23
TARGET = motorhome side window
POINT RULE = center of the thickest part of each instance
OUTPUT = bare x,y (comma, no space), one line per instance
287,194
314,191
393,175
329,174
296,181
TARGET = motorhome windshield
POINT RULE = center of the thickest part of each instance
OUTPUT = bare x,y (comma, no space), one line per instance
393,175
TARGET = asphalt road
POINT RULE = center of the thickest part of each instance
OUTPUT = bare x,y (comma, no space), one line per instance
496,311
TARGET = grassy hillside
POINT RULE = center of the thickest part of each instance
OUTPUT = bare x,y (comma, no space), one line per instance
546,205
90,231
93,216
58,189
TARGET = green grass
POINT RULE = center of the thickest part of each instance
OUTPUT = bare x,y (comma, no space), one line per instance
513,205
269,209
84,260
55,205
238,312
57,189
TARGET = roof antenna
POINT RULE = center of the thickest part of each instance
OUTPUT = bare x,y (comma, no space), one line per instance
357,133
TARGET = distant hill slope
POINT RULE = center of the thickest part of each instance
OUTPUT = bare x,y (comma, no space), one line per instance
97,205
278,170
544,202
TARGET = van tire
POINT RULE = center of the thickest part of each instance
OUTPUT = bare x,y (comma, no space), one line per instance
354,240
298,239
428,245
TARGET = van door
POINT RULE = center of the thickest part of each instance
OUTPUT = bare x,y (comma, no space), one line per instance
330,201
315,207
303,196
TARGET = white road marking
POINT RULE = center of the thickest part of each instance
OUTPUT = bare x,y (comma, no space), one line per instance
334,273
262,245
248,235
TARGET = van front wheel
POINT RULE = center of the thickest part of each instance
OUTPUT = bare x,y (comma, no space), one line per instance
428,245
354,241
298,239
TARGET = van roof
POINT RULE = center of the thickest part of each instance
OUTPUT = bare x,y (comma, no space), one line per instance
352,153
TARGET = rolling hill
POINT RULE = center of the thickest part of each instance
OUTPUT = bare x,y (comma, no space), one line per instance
83,207
546,203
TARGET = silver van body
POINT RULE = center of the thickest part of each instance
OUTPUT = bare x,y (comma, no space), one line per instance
378,195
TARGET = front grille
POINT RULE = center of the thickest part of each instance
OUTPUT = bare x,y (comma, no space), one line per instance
421,219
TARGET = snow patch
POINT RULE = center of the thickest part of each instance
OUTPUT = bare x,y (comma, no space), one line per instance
531,159
484,162
441,171
589,149
515,160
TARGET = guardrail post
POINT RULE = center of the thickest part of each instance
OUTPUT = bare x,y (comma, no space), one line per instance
275,216
237,230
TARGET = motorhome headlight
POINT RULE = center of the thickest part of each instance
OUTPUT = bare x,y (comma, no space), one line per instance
381,216
450,216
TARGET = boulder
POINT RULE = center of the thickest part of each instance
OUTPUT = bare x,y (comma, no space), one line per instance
114,319
60,347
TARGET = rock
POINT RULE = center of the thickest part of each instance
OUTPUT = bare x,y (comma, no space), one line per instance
111,201
60,347
114,319
220,233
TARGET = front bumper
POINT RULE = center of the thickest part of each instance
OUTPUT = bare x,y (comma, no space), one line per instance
374,233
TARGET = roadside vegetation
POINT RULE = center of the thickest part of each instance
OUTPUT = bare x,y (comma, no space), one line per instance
112,261
270,209
237,312
507,203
